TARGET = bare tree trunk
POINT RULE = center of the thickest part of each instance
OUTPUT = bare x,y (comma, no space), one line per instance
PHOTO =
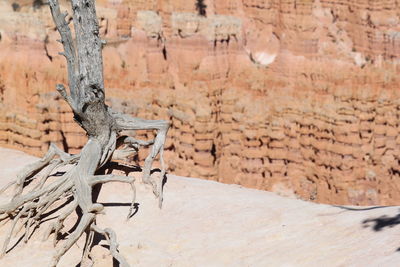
102,125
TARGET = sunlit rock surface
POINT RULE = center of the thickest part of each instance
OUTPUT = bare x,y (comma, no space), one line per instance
204,223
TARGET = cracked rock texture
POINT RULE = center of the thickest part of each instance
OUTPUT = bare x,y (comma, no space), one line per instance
296,97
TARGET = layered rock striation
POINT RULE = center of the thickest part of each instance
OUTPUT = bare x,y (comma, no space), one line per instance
297,97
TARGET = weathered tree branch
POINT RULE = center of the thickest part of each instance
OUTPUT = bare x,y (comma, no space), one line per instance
89,48
68,44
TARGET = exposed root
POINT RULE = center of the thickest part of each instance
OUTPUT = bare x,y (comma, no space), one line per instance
84,223
161,183
110,236
88,246
8,237
130,213
28,209
28,172
36,195
55,227
126,122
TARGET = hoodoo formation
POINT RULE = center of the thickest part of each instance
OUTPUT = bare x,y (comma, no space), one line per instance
296,97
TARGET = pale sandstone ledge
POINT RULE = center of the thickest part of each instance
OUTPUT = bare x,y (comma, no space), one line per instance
205,223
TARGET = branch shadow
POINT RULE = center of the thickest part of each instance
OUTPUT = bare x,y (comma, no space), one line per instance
116,204
164,179
112,165
382,222
127,169
376,224
16,243
360,209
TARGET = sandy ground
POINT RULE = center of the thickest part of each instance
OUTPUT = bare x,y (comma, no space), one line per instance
204,223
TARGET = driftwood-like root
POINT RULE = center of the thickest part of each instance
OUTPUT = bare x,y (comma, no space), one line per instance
55,227
111,238
126,122
38,192
28,209
84,223
28,172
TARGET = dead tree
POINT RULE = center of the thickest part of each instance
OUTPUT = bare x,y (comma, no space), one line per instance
103,127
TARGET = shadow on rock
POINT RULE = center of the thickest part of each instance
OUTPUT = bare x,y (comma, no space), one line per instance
360,209
378,224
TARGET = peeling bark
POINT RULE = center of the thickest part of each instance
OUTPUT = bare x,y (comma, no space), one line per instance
103,126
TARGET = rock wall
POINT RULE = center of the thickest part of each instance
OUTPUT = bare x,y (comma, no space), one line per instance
296,97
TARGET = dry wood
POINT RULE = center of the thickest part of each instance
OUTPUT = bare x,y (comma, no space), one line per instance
102,125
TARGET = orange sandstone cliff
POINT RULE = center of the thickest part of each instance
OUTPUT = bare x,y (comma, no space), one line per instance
297,97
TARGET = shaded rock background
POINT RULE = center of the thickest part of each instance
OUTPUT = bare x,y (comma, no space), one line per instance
204,223
296,97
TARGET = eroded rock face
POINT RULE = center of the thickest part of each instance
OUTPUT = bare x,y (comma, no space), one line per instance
298,97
